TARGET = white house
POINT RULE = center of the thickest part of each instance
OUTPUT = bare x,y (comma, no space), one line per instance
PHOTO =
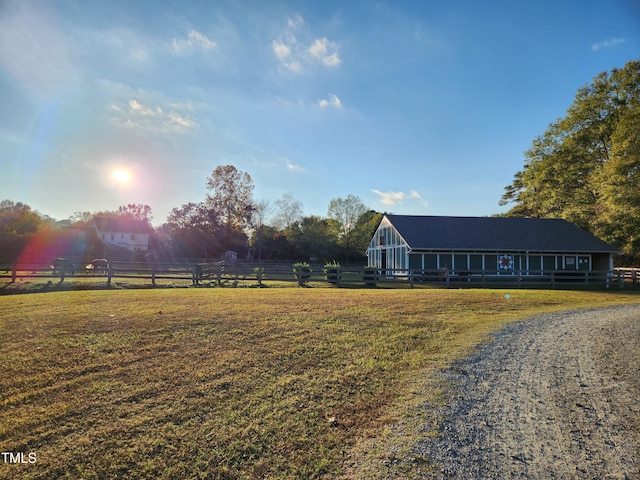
125,232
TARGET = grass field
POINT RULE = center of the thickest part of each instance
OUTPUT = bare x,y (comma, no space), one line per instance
235,383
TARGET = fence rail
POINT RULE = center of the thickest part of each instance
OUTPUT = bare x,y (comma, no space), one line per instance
260,273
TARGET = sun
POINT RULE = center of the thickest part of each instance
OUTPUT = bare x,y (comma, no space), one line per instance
121,176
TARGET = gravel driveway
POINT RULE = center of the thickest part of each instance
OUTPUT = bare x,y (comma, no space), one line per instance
555,396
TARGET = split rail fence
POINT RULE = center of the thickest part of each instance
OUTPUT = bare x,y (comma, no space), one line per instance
261,274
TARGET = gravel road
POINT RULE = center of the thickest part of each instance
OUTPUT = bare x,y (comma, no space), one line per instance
556,396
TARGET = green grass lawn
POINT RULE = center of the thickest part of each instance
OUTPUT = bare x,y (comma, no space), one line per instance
234,383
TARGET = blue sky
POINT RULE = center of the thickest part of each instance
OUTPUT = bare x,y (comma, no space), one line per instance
416,107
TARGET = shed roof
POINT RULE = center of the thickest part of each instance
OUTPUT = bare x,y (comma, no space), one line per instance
496,234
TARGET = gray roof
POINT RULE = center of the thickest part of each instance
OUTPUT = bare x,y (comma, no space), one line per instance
496,234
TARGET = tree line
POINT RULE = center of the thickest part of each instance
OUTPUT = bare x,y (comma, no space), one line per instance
228,218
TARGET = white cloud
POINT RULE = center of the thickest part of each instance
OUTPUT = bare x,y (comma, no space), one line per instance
135,114
611,42
281,50
391,198
296,22
332,101
294,54
294,167
324,51
135,106
194,41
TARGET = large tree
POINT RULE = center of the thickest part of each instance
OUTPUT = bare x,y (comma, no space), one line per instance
231,196
193,230
583,167
346,212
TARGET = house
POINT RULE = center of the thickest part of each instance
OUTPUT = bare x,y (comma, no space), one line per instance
491,245
125,232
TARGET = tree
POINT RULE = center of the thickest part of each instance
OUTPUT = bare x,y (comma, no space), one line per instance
620,180
288,211
363,232
346,211
18,224
194,230
231,196
577,168
313,236
136,211
259,215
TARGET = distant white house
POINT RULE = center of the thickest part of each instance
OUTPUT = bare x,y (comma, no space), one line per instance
132,235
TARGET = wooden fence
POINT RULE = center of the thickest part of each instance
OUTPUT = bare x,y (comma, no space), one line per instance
235,273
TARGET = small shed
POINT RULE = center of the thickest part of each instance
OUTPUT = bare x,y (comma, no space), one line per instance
492,245
229,256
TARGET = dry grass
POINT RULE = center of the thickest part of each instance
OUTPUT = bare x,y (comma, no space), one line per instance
232,383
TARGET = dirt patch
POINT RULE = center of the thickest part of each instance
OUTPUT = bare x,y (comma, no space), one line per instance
556,396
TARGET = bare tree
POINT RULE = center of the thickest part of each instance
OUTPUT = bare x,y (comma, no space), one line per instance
346,211
288,211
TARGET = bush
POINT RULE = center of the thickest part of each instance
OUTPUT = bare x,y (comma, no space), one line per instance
302,271
331,271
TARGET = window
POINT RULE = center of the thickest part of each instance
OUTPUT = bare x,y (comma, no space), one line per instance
460,262
133,237
491,262
383,237
475,262
445,260
535,264
548,263
415,262
430,261
570,262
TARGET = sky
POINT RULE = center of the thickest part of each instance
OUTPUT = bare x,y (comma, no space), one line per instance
417,108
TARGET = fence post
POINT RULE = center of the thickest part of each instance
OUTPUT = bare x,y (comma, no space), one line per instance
14,273
109,274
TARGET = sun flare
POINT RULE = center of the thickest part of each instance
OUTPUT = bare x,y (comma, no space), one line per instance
121,176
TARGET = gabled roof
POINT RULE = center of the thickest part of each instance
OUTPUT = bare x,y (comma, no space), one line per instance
121,225
496,234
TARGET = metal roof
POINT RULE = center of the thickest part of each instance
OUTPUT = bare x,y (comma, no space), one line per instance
496,234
